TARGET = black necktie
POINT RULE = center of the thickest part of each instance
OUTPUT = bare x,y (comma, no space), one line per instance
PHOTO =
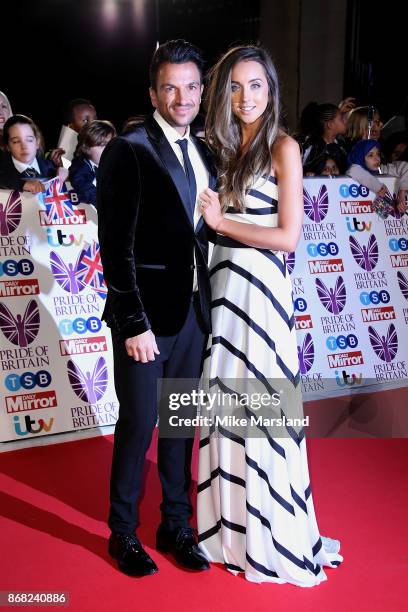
188,168
30,173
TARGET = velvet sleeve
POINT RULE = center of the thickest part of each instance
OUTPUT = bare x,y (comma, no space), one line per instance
118,200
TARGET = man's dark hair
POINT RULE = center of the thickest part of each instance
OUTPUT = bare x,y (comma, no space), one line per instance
69,108
175,52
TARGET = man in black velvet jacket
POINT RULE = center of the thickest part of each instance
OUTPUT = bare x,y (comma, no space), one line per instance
154,251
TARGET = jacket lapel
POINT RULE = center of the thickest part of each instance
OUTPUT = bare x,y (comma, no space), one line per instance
170,161
207,158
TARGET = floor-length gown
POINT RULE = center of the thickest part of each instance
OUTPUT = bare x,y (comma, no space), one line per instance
255,507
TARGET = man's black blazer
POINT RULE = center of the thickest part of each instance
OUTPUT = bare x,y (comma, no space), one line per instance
146,235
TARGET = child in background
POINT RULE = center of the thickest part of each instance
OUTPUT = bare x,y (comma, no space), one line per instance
92,140
323,126
365,166
358,128
5,113
23,165
327,165
78,113
395,146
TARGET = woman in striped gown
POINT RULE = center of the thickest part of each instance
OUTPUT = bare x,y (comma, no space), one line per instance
255,508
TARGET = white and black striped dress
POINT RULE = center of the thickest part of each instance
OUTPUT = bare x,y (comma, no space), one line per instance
255,508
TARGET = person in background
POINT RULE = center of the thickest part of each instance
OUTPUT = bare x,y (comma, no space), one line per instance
365,167
327,165
131,122
324,126
92,139
395,146
78,113
357,126
22,167
306,120
347,105
5,113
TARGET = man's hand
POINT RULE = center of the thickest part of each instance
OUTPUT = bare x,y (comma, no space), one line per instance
142,347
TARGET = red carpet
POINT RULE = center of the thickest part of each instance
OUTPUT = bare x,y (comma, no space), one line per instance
54,502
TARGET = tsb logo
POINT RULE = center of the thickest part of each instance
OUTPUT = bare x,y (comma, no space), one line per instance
28,380
374,297
315,250
353,191
80,326
398,245
341,342
10,267
300,304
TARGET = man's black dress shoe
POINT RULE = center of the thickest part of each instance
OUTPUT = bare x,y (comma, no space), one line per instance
182,544
132,559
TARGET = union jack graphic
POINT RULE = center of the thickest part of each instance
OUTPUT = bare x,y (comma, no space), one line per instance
92,271
57,201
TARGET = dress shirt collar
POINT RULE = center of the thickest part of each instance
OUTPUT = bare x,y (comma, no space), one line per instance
170,132
20,166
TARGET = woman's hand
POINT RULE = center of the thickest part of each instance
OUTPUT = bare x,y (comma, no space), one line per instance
210,208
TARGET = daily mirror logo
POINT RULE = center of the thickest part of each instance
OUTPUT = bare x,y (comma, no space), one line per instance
19,288
58,207
31,401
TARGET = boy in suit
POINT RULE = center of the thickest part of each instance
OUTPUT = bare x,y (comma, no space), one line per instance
92,140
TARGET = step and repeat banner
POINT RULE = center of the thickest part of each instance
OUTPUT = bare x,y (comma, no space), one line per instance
55,353
350,290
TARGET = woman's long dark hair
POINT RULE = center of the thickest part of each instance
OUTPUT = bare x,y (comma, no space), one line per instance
237,169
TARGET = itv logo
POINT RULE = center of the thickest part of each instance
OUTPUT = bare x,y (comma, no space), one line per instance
27,425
